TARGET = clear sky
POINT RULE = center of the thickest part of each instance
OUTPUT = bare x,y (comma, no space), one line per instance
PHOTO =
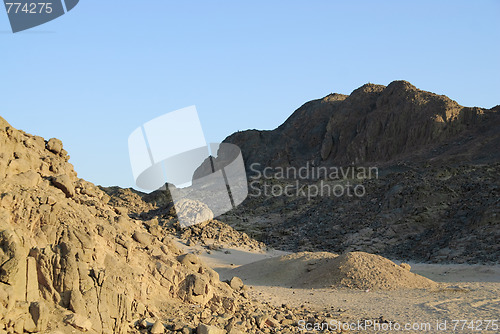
95,74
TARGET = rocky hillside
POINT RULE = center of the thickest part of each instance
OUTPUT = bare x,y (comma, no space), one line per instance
436,195
74,260
374,124
434,214
157,211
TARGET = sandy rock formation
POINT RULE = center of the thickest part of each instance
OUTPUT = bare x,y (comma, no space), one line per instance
73,258
63,245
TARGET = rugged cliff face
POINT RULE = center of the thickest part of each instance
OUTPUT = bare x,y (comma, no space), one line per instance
64,249
375,124
73,259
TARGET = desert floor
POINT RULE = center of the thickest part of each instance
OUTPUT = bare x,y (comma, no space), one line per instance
468,297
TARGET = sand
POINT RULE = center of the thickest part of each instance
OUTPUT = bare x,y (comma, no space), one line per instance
463,292
354,270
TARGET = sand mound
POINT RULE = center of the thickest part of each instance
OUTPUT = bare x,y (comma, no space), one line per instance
355,270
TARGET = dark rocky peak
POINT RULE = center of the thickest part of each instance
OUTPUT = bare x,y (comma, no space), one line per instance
374,123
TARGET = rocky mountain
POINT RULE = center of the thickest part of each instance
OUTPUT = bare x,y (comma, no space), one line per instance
374,124
75,259
434,196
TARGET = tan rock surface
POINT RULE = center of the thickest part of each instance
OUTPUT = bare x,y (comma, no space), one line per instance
74,258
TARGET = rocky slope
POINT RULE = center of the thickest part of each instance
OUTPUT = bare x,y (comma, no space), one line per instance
158,213
435,197
373,124
72,259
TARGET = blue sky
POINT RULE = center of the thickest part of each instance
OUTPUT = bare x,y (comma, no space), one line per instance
95,74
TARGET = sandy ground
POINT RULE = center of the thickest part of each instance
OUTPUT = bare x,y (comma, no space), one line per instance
469,292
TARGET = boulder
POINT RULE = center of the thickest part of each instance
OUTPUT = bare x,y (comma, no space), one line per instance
191,212
64,183
157,328
143,238
236,283
54,145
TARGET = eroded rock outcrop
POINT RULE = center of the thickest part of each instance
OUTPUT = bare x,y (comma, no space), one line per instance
73,258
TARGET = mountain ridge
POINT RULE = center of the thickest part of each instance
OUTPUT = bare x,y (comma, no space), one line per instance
435,198
374,124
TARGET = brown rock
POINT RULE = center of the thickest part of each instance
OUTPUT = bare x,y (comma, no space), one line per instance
32,292
206,329
54,145
234,330
39,314
405,266
143,238
189,260
236,283
157,328
64,183
79,322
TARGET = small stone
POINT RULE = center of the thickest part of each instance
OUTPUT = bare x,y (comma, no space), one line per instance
79,322
158,328
206,329
405,266
236,283
235,330
261,320
187,330
143,238
189,260
288,322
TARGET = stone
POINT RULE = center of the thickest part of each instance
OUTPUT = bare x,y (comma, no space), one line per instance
39,314
64,183
79,322
234,330
10,257
13,267
191,212
261,320
157,328
32,292
54,145
189,260
143,238
207,329
236,283
405,266
29,325
187,330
